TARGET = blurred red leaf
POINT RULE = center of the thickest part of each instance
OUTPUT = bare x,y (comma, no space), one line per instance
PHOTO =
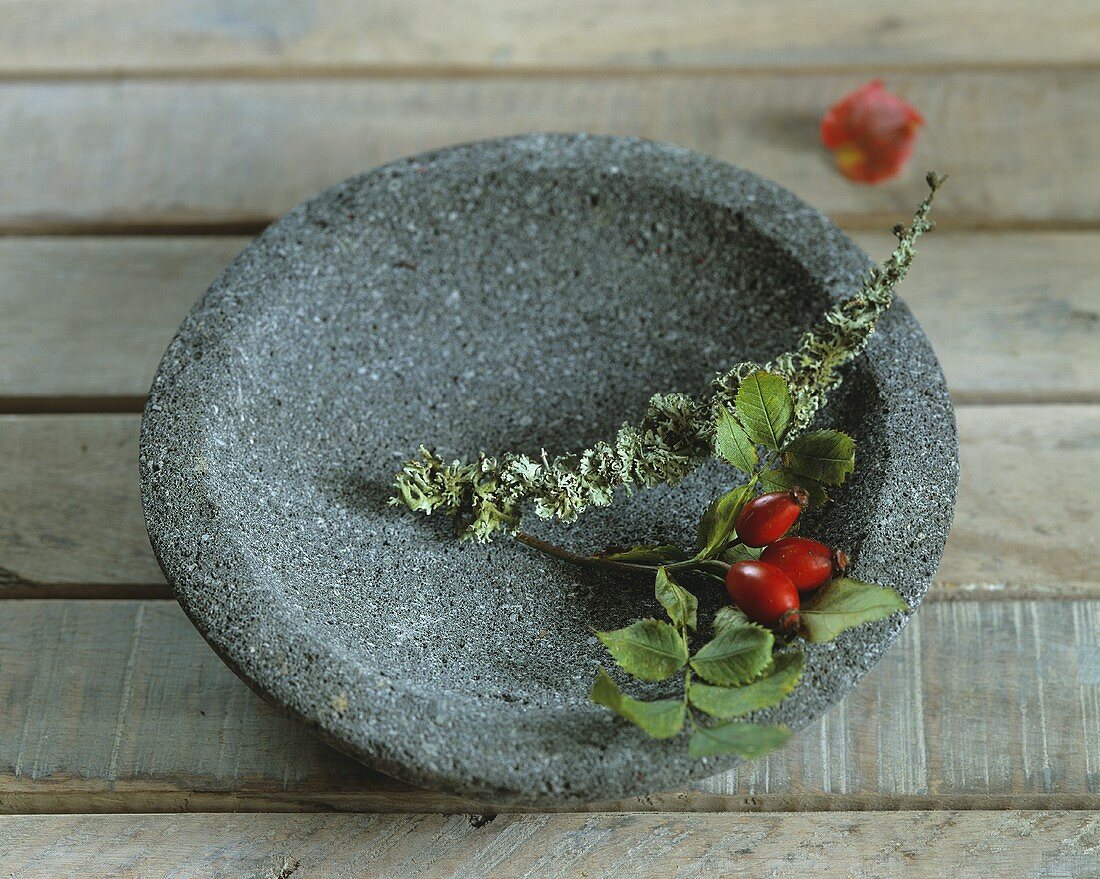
871,133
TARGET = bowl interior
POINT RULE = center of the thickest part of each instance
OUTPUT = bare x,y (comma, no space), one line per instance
540,321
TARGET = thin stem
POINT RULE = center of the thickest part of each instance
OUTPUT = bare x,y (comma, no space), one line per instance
584,561
715,567
696,560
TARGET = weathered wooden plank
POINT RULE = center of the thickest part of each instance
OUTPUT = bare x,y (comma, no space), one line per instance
1025,524
138,36
916,845
119,706
91,317
1014,316
166,152
69,505
1025,513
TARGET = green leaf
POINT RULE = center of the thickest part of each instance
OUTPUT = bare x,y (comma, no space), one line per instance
825,456
729,617
716,528
662,719
735,656
784,480
740,553
647,555
681,605
765,408
733,443
648,649
771,688
844,603
737,737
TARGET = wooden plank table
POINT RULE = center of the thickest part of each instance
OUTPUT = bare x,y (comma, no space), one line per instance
145,141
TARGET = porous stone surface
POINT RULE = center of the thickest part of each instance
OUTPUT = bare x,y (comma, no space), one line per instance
518,294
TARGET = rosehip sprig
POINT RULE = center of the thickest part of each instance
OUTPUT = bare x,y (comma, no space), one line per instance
755,420
752,662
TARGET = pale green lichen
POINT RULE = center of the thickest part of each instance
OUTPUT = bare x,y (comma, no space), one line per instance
675,434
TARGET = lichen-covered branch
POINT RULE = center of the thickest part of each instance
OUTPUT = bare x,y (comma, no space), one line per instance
674,435
813,369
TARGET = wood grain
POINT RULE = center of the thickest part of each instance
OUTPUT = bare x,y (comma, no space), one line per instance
158,36
92,316
69,505
119,705
1025,523
1019,146
916,845
1013,316
1025,520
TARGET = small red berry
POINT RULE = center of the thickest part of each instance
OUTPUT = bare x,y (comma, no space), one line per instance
765,519
764,593
808,563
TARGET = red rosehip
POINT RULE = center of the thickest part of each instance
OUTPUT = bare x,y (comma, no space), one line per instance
808,563
764,593
765,519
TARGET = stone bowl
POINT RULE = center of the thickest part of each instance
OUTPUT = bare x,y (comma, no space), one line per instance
516,294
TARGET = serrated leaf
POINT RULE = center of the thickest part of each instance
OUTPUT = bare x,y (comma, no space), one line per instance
647,555
662,718
765,408
739,737
733,443
728,617
716,528
740,553
844,603
771,688
650,650
826,456
682,607
784,480
735,656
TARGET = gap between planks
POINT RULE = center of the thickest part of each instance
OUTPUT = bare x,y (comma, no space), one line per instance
15,589
139,227
424,72
128,799
134,405
68,404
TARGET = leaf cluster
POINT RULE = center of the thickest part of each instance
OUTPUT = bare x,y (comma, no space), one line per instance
741,669
735,673
754,435
729,676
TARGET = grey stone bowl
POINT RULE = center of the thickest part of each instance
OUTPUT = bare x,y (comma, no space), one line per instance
524,293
